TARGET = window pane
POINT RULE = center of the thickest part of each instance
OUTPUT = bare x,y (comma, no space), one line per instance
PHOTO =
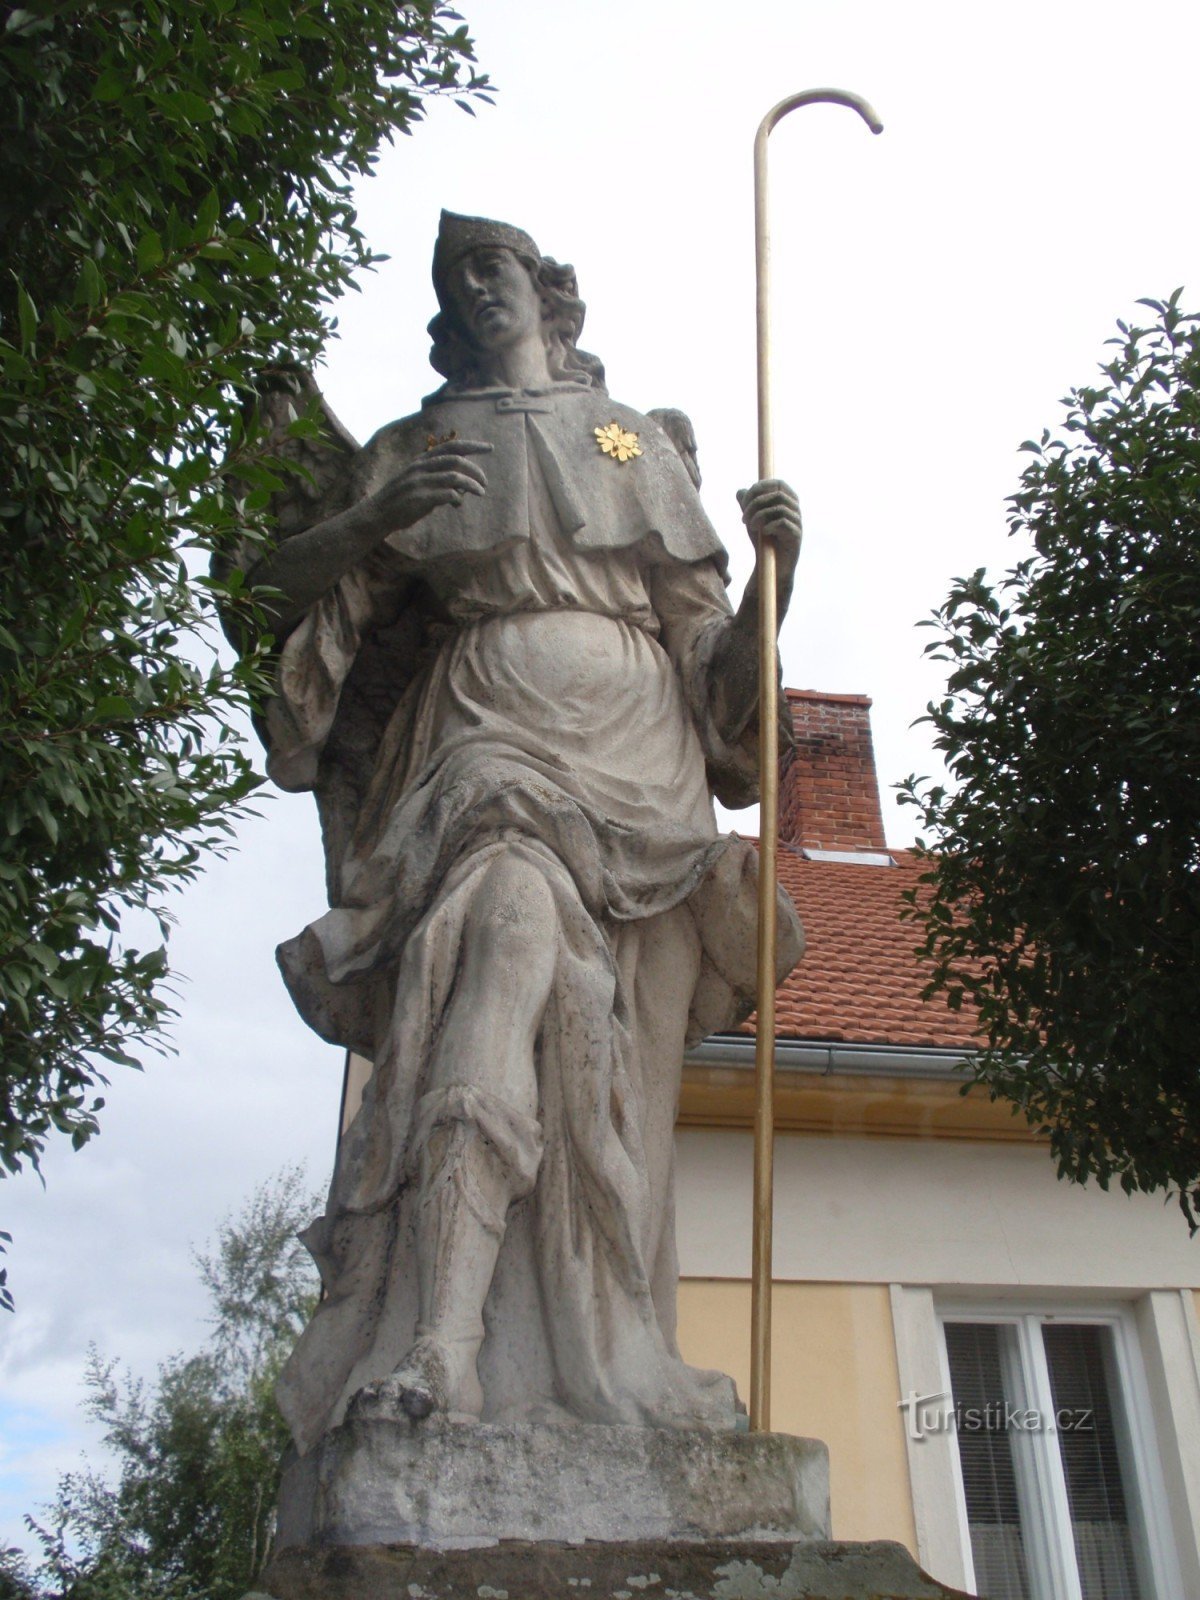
1080,1358
985,1451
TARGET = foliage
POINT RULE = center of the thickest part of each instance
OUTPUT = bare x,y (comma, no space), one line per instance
190,1515
15,1580
175,214
1064,897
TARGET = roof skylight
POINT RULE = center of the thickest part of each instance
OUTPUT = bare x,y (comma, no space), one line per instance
851,858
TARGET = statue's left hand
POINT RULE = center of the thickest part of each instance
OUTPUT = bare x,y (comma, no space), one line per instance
770,507
771,511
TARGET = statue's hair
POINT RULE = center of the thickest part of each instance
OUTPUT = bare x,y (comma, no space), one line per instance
457,360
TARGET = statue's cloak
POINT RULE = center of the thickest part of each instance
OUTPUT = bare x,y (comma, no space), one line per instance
529,671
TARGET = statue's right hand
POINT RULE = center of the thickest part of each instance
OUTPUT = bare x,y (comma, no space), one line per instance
441,477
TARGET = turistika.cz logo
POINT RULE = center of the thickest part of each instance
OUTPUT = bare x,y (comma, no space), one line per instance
941,1413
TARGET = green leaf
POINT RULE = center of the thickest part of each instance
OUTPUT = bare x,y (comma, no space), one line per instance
149,251
113,705
163,364
207,213
288,78
91,285
112,84
43,955
186,106
28,319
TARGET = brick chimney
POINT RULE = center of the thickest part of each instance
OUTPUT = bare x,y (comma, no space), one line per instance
828,791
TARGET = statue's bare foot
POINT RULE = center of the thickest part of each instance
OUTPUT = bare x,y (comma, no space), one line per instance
434,1376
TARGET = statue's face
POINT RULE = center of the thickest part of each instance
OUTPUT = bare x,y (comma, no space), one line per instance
494,298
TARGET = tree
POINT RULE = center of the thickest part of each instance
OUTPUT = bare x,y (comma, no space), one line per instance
1063,900
190,1515
176,216
15,1581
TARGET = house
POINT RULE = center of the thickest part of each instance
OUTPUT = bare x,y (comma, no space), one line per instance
1005,1367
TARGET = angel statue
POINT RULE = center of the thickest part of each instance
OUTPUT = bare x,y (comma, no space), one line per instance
509,672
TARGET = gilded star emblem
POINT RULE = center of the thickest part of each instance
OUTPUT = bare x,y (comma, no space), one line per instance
618,442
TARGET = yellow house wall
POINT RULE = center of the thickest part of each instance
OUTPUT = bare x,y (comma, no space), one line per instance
834,1378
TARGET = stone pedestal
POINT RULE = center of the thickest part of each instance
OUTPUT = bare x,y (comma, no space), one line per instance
644,1570
442,1485
385,1509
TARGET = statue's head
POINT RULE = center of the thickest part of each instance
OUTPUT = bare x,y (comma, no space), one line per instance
465,244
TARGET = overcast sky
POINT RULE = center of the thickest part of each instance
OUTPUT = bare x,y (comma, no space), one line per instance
938,289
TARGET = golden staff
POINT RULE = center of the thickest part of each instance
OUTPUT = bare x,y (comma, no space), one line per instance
768,714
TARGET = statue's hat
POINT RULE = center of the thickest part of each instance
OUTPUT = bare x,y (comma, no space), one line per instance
457,235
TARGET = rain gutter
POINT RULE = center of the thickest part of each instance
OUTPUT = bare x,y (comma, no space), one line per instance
822,1059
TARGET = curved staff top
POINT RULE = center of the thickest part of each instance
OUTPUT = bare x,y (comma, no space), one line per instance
768,711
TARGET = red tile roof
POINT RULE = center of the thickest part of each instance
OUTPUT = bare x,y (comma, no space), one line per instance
860,980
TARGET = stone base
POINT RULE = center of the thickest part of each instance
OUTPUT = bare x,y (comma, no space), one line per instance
443,1485
642,1570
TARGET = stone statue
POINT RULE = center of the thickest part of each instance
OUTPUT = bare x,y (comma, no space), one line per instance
510,674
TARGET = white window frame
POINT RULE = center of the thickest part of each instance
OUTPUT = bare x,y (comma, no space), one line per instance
1050,1551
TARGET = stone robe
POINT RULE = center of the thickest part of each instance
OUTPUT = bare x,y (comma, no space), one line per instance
528,673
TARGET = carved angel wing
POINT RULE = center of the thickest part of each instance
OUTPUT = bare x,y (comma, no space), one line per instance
318,464
314,469
677,426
